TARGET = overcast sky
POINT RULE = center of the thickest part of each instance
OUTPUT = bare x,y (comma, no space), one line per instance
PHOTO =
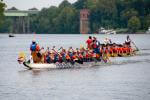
26,4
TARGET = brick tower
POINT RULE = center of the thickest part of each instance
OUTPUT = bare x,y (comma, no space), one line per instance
84,21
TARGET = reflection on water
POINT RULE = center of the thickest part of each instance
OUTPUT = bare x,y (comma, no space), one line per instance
125,78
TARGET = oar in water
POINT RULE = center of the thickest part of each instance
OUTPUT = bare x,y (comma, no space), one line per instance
137,49
105,58
128,38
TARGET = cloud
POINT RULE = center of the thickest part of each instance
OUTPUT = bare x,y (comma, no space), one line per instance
27,4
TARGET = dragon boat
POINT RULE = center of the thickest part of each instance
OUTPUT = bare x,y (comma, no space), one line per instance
70,64
62,65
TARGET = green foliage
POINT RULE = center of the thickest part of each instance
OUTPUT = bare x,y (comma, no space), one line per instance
64,4
66,21
146,22
134,24
80,4
2,8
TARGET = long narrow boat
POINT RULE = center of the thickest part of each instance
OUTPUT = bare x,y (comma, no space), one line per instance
39,66
62,65
65,65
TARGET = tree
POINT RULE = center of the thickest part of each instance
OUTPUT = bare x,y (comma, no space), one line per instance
64,4
134,24
146,22
2,8
67,21
80,4
103,13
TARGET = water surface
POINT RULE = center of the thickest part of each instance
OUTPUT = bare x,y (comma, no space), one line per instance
127,78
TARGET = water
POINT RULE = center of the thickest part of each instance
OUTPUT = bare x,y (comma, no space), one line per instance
127,78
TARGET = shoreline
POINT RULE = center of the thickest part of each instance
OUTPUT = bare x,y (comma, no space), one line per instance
76,33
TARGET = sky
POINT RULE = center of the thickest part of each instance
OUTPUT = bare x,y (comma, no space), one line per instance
27,4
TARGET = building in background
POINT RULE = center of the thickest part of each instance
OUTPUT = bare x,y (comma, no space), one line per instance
21,19
84,21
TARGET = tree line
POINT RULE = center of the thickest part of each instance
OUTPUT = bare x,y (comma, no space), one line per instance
133,15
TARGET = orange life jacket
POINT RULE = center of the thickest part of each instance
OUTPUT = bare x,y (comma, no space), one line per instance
37,48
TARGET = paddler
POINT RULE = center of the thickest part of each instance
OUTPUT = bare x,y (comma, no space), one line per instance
43,57
34,48
96,45
89,43
128,41
48,60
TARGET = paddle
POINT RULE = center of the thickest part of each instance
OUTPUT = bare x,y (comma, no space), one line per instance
137,49
64,60
128,38
105,58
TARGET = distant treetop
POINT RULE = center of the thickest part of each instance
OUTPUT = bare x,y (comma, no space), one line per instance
13,8
33,8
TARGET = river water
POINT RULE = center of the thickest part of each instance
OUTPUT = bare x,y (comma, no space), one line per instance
127,78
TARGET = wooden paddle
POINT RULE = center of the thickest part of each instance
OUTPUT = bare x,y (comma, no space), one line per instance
137,49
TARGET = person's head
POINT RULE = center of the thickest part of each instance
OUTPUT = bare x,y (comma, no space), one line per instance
42,48
90,37
94,38
33,41
70,47
128,37
93,41
64,50
54,47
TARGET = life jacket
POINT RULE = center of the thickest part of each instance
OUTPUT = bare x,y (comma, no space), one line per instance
74,57
56,57
111,50
67,57
97,56
80,56
125,50
98,44
87,55
37,48
63,54
71,54
33,47
48,58
60,58
121,50
114,50
94,45
106,51
94,55
101,50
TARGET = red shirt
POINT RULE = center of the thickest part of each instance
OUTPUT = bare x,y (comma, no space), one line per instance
89,41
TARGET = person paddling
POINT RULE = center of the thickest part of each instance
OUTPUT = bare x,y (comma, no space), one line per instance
34,48
128,41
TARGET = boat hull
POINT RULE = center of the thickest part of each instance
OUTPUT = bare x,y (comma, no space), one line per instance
39,66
